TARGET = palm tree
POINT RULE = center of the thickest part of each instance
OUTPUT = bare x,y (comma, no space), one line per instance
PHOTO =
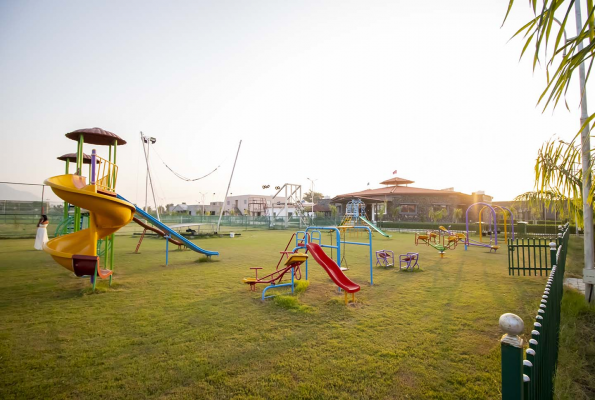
396,212
565,59
432,214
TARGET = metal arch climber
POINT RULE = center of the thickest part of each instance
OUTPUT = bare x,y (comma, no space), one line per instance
469,242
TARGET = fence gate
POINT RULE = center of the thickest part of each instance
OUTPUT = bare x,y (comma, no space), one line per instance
531,256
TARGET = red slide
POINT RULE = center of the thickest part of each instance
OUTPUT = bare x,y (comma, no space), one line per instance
332,269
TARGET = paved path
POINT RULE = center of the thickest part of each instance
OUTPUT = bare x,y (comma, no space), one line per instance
576,284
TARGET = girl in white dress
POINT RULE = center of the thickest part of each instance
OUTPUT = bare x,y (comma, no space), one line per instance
42,232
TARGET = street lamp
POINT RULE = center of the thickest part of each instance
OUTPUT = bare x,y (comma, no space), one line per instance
203,202
312,192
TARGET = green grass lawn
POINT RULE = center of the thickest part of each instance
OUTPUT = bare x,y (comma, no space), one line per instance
193,330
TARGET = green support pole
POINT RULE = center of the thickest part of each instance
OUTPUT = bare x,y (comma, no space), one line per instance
109,177
511,347
114,175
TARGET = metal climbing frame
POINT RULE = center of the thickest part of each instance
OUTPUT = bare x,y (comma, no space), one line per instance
316,229
293,195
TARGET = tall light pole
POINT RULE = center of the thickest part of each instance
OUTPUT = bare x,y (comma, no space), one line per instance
312,192
148,141
203,202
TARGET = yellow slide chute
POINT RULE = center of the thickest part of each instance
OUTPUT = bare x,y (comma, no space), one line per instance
107,214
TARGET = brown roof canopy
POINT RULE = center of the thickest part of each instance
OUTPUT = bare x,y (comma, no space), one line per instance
72,157
396,181
96,136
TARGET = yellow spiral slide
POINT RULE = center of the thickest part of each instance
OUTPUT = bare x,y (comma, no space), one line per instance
77,251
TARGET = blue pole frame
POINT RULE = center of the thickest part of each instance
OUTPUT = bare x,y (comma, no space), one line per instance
166,248
339,242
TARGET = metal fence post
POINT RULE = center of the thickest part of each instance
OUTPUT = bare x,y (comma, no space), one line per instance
511,347
553,253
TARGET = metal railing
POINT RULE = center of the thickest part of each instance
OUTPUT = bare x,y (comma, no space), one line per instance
104,173
532,377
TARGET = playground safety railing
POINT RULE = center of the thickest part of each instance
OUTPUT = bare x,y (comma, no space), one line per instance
104,174
532,377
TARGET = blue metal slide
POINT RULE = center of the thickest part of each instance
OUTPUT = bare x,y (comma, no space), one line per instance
173,233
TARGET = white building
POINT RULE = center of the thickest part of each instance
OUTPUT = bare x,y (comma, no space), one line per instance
248,204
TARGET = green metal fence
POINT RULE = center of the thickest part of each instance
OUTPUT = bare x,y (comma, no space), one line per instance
529,256
532,377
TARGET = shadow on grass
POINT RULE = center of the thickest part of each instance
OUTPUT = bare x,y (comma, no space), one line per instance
206,259
101,288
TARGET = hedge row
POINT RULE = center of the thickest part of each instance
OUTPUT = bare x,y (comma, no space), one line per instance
519,228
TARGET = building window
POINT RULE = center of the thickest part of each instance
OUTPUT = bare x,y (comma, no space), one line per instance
245,201
408,209
227,202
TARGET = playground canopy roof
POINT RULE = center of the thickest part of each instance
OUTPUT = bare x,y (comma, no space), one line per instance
396,181
96,136
72,157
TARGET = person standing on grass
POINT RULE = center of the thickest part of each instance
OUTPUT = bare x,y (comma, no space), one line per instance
42,232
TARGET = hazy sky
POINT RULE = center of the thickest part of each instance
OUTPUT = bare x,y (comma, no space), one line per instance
344,92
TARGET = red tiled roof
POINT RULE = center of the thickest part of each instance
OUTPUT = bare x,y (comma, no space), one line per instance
391,190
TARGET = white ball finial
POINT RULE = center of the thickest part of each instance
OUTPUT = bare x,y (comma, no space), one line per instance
511,324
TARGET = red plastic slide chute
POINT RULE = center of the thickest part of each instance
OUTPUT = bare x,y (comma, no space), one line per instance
332,269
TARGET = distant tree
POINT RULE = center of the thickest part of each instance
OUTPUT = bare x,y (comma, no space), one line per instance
396,212
457,215
535,212
317,196
432,214
334,211
380,212
161,209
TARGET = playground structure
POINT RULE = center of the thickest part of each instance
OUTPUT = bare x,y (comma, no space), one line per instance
409,261
385,258
77,251
67,224
441,239
293,195
355,212
159,232
292,265
504,211
306,240
315,234
108,212
493,227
